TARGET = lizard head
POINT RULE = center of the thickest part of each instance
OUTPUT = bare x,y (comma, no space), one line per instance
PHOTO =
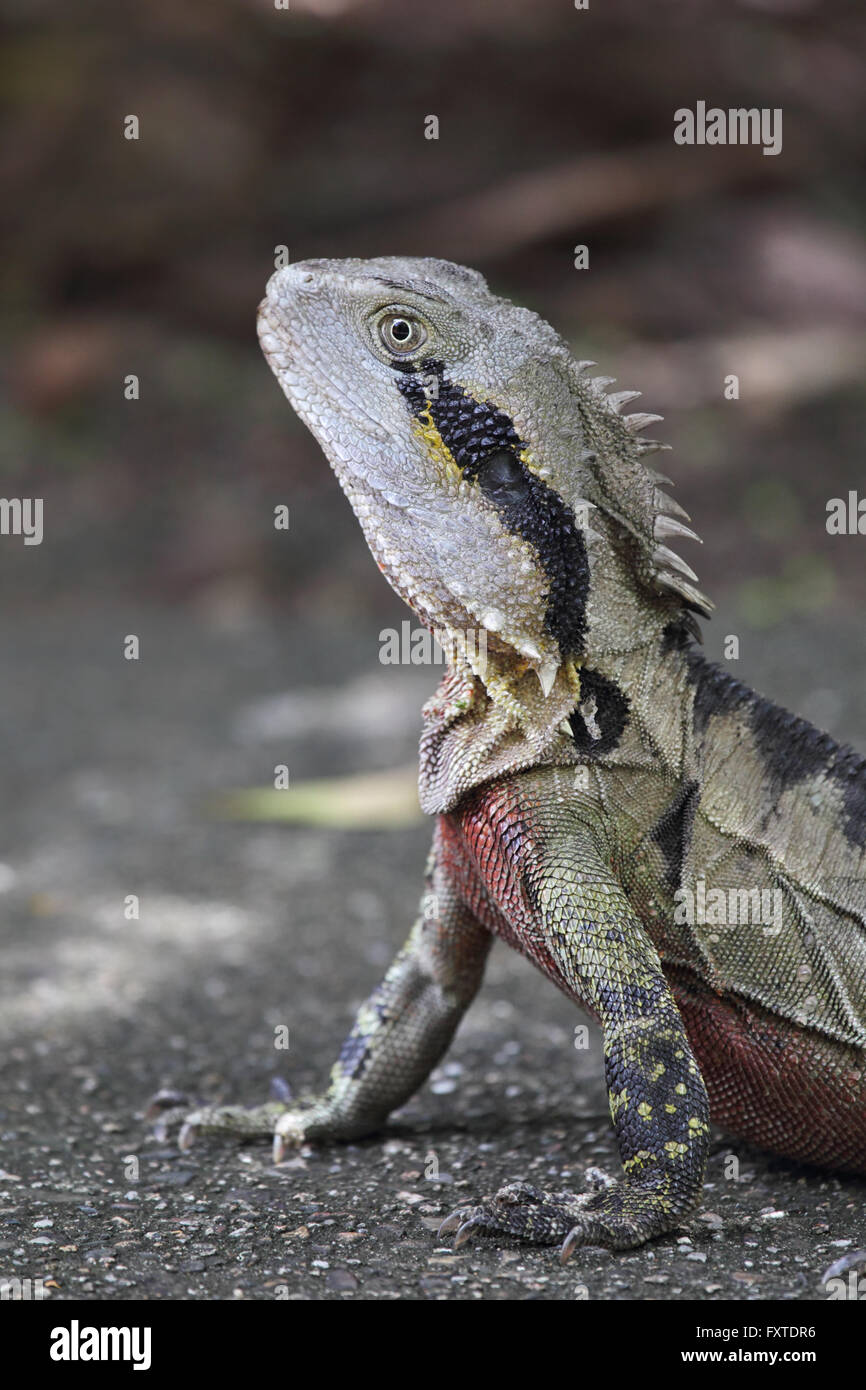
498,487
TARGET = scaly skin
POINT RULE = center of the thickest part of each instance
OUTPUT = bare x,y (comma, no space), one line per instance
588,778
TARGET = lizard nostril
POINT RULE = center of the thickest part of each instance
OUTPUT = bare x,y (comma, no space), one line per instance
307,272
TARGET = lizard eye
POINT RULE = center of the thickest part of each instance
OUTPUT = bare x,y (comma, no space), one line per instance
401,334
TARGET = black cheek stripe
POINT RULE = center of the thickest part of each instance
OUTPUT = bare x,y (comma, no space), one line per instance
473,430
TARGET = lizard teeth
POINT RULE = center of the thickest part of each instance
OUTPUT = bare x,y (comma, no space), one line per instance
669,526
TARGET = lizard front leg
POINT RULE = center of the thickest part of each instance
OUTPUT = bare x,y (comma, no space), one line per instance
567,911
399,1034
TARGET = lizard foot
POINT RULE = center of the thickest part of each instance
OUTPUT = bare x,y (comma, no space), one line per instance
287,1122
620,1218
169,1109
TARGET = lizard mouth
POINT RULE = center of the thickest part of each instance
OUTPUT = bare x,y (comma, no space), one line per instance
304,373
273,335
278,309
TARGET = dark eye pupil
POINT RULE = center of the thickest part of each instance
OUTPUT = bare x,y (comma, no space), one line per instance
501,476
400,330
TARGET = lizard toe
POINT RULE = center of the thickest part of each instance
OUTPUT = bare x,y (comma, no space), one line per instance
517,1210
623,1218
233,1121
452,1223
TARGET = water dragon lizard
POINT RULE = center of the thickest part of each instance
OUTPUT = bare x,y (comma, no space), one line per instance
590,773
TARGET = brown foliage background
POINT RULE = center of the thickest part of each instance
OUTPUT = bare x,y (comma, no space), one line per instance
261,127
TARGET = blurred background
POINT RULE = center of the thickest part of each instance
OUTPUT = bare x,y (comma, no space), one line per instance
262,127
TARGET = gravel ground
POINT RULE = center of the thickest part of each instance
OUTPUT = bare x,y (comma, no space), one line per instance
244,929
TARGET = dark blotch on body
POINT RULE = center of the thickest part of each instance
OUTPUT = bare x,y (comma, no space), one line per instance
792,749
673,832
611,714
353,1055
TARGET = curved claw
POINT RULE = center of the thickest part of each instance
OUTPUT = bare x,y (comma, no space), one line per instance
451,1223
465,1230
569,1245
289,1133
187,1136
166,1099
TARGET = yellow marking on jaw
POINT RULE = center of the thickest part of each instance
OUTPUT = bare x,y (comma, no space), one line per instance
529,462
571,669
437,449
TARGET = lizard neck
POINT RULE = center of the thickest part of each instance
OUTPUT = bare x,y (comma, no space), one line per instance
626,697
